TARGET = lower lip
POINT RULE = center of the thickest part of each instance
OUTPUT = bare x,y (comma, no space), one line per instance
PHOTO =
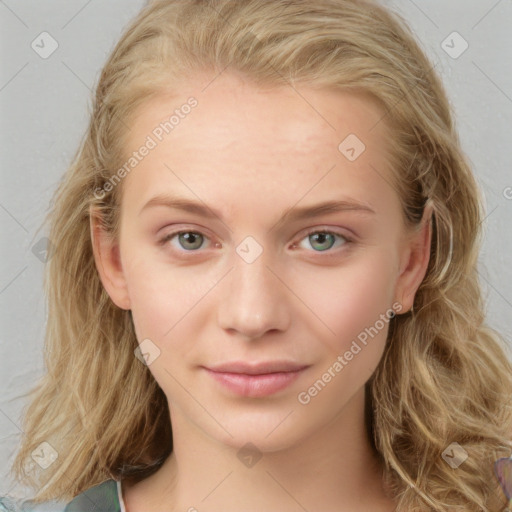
255,385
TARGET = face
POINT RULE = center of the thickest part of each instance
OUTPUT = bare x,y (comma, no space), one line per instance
225,278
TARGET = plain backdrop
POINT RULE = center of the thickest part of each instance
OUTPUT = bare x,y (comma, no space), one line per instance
44,111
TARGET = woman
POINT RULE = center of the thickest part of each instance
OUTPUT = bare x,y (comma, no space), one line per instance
257,369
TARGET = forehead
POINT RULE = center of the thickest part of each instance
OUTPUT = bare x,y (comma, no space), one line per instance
251,143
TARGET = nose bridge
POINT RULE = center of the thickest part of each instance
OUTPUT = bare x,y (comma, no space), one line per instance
255,301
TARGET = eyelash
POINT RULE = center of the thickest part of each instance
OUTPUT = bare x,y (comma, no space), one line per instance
327,252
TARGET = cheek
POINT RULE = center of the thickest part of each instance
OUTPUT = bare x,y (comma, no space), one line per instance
357,307
164,302
164,311
151,308
349,299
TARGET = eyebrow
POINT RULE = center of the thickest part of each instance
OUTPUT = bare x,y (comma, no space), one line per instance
293,214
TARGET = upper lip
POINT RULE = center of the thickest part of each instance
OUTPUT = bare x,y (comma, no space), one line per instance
258,368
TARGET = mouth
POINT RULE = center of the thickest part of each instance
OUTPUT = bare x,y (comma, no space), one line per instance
255,379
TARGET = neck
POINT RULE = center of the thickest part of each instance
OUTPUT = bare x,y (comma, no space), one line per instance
332,469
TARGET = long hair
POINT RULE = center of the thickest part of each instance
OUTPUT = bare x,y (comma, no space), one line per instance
445,376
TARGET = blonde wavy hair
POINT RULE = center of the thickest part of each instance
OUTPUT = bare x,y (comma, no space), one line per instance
445,376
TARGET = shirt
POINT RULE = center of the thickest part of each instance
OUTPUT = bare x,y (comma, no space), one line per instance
104,497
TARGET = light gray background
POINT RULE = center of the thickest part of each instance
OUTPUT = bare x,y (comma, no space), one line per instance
45,105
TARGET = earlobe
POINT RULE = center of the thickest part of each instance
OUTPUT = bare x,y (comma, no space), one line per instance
108,263
416,256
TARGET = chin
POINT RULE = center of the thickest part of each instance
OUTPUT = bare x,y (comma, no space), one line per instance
266,434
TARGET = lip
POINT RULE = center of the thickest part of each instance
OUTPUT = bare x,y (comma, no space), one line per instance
256,379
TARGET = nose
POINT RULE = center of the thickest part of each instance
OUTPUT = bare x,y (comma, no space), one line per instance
254,300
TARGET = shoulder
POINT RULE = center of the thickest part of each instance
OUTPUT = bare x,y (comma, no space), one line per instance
100,498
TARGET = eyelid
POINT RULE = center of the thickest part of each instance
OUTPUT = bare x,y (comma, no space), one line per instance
326,229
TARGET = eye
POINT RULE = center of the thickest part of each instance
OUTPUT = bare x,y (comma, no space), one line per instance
188,240
323,240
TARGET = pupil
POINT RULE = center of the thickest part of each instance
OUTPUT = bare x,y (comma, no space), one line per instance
189,237
321,237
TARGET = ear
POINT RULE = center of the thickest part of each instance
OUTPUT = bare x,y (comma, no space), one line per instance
414,261
108,262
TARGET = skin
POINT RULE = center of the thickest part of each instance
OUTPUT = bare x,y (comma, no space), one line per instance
252,154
